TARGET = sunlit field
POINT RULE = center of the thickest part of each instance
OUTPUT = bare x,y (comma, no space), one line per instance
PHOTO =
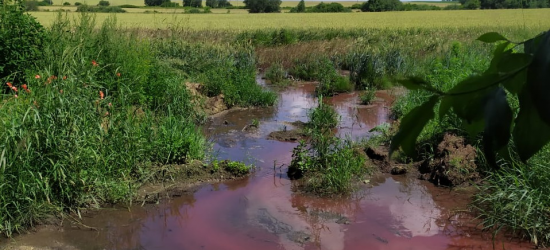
502,19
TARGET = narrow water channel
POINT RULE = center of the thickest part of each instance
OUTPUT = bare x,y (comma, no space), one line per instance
262,211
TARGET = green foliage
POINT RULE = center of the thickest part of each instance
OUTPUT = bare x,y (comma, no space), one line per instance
21,42
66,4
169,4
301,7
263,6
217,3
510,4
31,6
367,96
192,3
514,199
77,3
103,3
414,7
99,9
381,5
328,7
154,2
323,117
276,74
481,101
128,6
472,4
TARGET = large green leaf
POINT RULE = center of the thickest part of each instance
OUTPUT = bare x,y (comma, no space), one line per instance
538,78
498,121
491,37
416,83
412,125
500,50
530,133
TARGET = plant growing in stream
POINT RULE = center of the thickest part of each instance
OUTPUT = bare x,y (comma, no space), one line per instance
367,96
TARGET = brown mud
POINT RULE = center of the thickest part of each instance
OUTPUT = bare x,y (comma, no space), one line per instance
262,212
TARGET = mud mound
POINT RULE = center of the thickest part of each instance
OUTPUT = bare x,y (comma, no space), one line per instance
453,163
287,135
209,105
380,157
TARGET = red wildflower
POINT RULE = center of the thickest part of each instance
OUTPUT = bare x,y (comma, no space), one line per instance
37,77
9,84
25,87
101,95
16,96
118,74
54,77
64,77
94,63
14,88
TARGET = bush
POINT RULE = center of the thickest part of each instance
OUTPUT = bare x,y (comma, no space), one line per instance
453,7
415,7
154,2
21,42
77,3
128,6
66,4
169,4
330,7
381,5
192,3
472,4
99,9
103,3
263,6
31,6
276,74
356,6
367,96
45,3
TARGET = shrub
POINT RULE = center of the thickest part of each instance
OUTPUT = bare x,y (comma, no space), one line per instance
356,6
453,7
154,2
99,9
192,3
103,3
276,74
21,41
169,4
263,6
128,6
66,4
381,5
330,7
323,117
301,7
31,6
45,3
472,4
193,11
77,3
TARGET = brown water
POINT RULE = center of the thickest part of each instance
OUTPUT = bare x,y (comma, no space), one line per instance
262,211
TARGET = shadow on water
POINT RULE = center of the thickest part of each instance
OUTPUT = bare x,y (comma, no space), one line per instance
262,211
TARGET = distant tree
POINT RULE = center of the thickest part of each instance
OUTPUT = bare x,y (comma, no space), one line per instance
212,3
225,3
301,7
154,2
472,4
381,5
192,3
263,6
66,4
103,3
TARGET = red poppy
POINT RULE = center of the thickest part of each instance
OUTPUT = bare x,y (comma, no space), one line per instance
64,77
9,84
37,77
14,88
118,74
101,95
94,63
24,86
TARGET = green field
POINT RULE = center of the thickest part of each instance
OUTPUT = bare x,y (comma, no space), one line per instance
502,19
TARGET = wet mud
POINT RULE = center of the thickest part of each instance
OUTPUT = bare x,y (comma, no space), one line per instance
262,212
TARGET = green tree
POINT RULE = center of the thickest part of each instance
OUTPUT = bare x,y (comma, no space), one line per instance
301,7
381,5
152,2
192,3
103,3
263,6
472,4
212,3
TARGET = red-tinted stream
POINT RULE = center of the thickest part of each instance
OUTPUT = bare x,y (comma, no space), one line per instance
262,211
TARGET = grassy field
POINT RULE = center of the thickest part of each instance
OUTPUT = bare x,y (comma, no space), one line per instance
501,19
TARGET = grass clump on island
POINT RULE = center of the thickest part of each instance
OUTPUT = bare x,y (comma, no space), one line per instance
326,164
88,115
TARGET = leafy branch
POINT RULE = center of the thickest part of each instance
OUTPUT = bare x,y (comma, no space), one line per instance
481,101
